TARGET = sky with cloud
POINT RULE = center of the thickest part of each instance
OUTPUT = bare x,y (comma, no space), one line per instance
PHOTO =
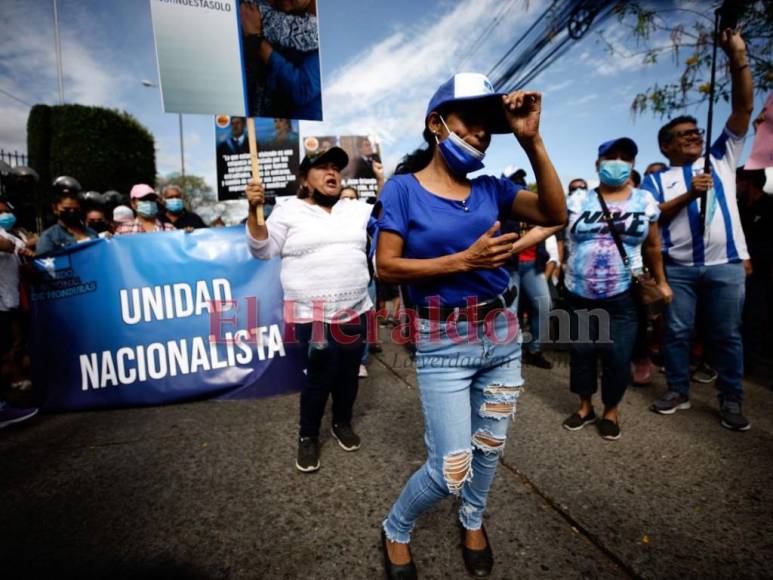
381,62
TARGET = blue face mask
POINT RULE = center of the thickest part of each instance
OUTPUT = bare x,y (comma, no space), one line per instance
614,172
461,157
147,209
7,220
175,205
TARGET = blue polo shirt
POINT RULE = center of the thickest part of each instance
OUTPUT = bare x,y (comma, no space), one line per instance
432,226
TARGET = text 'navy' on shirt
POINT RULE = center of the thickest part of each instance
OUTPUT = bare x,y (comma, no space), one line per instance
432,226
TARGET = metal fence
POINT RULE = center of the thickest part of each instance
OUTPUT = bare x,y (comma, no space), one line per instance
13,158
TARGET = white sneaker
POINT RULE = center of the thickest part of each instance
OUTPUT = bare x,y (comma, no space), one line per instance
363,374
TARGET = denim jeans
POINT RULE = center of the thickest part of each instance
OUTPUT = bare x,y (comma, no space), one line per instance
532,285
611,335
331,369
720,291
469,390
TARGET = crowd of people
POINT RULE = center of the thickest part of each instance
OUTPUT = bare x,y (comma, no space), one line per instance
78,217
463,249
650,270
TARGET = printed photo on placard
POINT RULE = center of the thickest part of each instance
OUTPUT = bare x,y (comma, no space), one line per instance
257,58
278,156
363,152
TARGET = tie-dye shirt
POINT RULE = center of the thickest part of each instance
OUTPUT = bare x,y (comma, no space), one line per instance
594,268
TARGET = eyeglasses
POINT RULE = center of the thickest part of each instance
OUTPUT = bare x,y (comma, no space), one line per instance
576,187
690,133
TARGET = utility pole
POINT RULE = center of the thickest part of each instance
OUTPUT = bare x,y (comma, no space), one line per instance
58,52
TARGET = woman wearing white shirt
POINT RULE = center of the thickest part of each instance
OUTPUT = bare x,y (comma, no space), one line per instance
322,242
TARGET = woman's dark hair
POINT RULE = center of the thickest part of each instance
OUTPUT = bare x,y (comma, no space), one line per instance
421,157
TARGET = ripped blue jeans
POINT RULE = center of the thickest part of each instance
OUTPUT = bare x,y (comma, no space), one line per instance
469,388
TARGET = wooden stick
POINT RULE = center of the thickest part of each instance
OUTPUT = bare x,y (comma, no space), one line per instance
254,160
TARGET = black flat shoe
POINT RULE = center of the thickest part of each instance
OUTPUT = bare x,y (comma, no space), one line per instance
397,571
478,562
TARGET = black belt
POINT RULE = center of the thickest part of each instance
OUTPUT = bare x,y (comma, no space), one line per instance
442,313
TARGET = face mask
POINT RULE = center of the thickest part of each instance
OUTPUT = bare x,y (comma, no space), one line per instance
324,200
70,217
147,209
614,172
461,157
175,205
7,220
99,226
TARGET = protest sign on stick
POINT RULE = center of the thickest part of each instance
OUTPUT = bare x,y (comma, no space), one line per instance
213,58
254,163
278,156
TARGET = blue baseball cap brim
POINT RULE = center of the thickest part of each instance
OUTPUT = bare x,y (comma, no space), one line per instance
622,143
464,87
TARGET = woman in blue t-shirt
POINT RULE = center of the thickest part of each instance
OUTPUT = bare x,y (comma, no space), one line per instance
598,282
439,238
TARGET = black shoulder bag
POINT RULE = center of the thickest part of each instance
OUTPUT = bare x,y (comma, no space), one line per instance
645,288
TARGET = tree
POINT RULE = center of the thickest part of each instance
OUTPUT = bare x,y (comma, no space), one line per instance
102,148
659,32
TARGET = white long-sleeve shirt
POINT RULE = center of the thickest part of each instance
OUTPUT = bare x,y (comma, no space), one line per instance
9,274
323,256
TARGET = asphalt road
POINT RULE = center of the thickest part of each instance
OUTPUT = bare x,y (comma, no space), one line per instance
209,490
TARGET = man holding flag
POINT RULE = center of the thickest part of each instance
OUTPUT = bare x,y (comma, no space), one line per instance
705,261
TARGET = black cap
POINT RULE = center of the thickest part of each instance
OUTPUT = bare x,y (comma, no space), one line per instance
333,155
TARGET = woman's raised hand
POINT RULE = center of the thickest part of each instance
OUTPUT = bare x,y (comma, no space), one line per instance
523,110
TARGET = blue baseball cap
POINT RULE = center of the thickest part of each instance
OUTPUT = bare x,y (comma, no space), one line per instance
469,87
622,143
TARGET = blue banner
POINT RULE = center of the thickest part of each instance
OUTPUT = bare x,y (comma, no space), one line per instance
159,318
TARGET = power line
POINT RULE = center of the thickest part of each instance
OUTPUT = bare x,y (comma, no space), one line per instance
15,98
475,46
564,21
523,36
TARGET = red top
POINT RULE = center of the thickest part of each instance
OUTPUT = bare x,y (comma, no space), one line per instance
528,255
